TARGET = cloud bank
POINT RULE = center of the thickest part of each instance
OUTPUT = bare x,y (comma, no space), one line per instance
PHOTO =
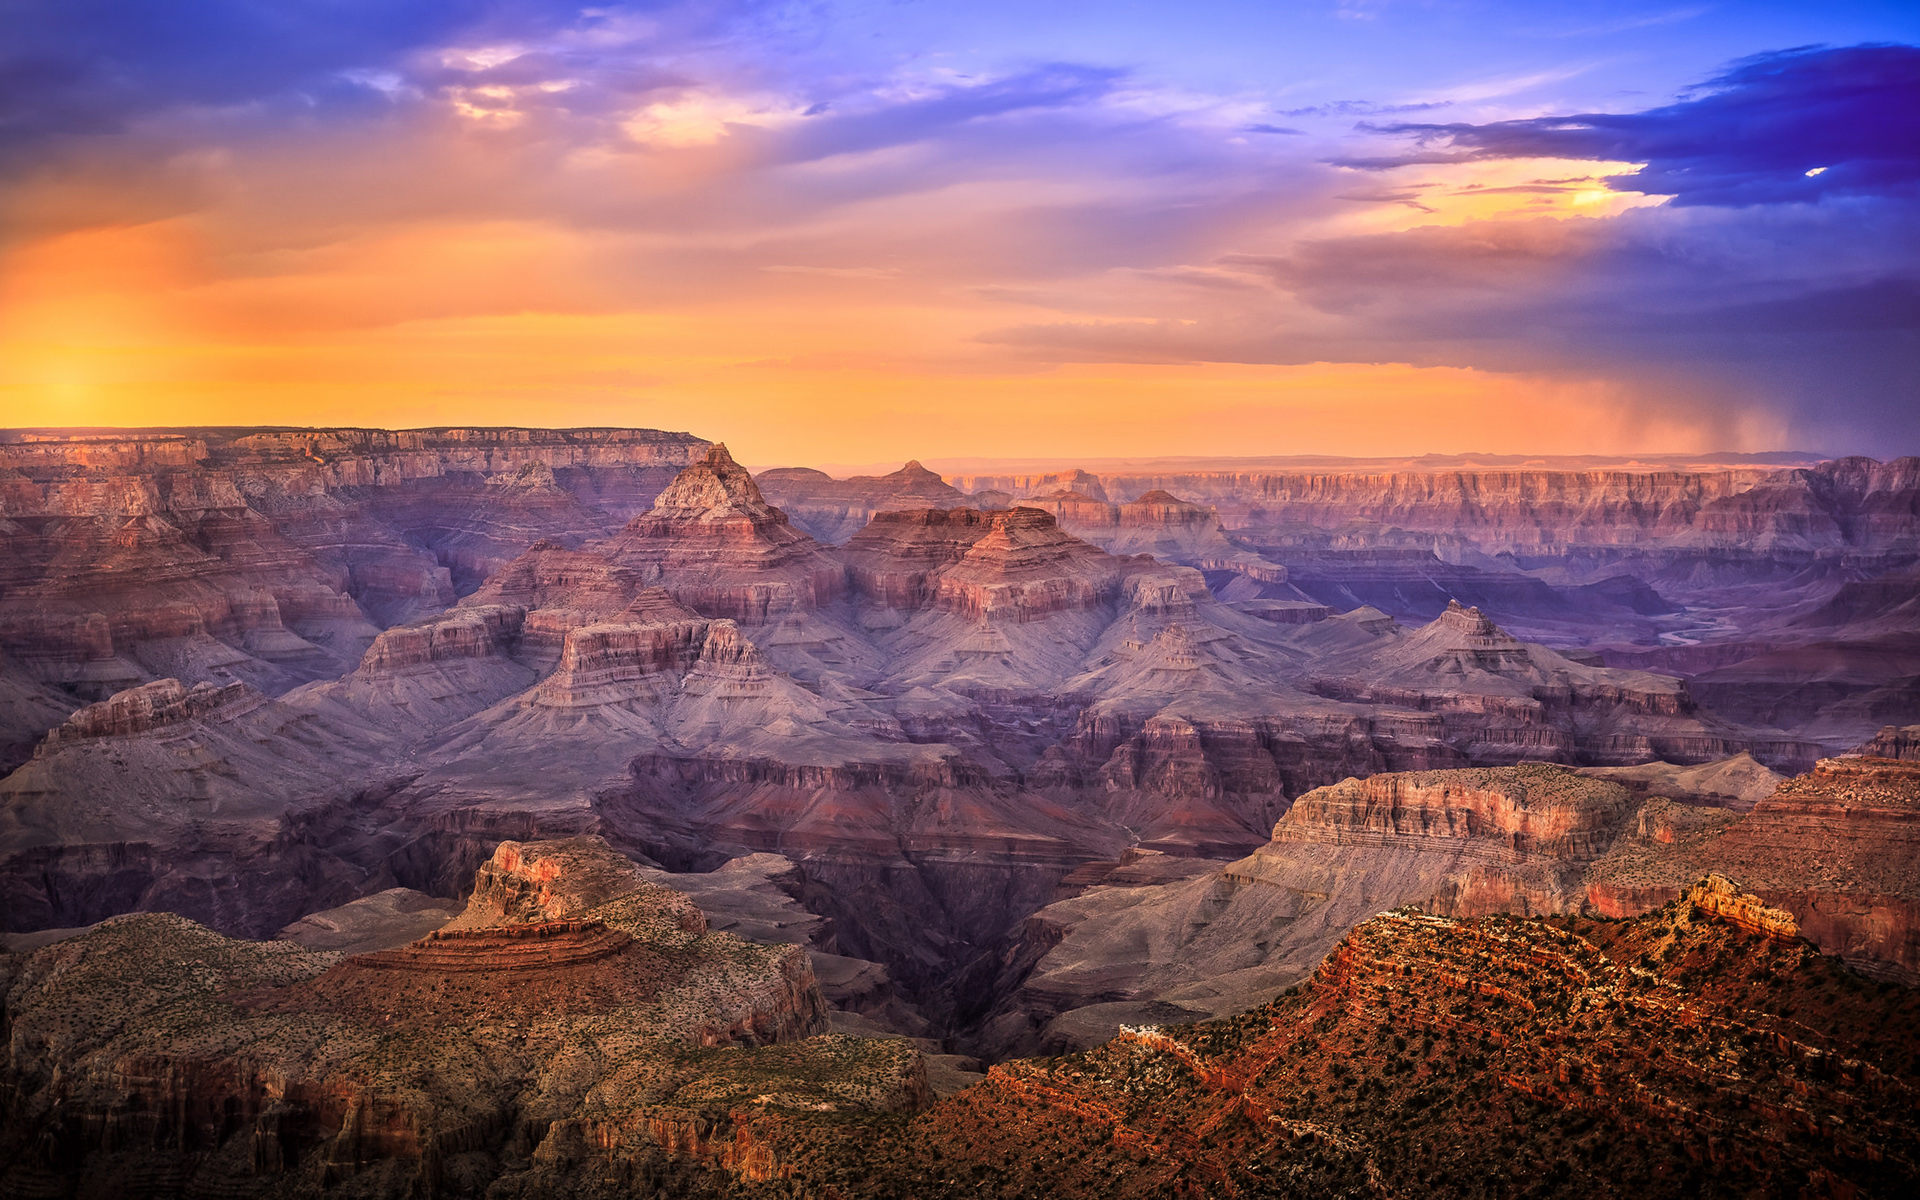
711,212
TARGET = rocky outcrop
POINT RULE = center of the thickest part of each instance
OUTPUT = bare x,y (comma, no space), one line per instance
607,664
1541,704
1469,842
472,632
1895,742
833,510
1839,849
149,706
1014,564
1829,854
713,541
1426,1055
1716,896
150,1046
273,557
1163,525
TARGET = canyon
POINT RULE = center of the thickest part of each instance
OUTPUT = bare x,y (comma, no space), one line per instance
981,767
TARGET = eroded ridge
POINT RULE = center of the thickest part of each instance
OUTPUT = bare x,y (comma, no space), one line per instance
580,1032
1431,1056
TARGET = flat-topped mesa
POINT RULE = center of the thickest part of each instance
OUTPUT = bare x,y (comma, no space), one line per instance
1096,521
1162,509
149,706
534,883
1717,896
613,663
475,631
1537,810
714,542
563,590
1468,628
1900,743
895,561
1015,562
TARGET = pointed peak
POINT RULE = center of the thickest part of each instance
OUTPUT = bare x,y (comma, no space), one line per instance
1162,496
914,473
715,486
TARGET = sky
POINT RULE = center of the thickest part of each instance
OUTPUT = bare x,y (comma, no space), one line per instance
866,230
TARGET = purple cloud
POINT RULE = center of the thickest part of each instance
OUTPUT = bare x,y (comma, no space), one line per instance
1794,125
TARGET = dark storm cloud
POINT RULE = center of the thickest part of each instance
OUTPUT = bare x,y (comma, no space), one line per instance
1775,290
1789,126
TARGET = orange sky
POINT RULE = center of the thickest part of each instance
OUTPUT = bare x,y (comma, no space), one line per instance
433,322
1048,261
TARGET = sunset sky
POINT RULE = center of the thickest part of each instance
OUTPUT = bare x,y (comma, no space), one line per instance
862,230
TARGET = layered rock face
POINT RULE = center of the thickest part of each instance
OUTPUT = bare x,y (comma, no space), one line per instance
1790,592
833,510
1172,530
1893,741
1539,703
1657,1056
1839,849
1830,851
1851,502
183,799
273,557
1467,842
714,542
150,1048
1015,564
938,722
938,725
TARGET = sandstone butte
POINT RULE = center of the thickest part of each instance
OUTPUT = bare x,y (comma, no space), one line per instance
575,1029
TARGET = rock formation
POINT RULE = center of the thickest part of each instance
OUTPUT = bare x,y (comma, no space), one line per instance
715,543
1832,851
1839,849
1172,530
1661,1056
572,1005
273,557
1025,787
1893,741
833,510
